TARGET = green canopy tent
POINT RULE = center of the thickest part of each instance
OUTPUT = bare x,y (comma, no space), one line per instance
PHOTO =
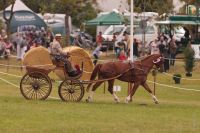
112,18
182,20
108,19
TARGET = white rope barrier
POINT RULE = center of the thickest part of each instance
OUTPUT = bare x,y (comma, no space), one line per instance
180,88
9,82
169,86
10,74
17,66
178,77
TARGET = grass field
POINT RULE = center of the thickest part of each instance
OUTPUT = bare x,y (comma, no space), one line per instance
178,111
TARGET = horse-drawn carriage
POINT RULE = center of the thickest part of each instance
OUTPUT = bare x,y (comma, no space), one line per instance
36,83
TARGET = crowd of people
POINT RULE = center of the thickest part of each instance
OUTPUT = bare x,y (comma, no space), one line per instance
162,44
23,41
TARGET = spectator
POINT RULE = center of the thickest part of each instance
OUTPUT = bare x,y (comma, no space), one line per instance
21,46
8,46
163,48
187,33
172,51
125,41
122,56
96,54
118,44
135,48
154,47
99,39
18,42
2,46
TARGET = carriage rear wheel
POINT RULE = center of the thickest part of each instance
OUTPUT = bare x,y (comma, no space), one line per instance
35,85
71,90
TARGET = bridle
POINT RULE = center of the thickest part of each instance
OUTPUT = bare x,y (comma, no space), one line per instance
158,62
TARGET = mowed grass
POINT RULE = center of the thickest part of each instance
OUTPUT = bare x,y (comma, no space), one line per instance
178,111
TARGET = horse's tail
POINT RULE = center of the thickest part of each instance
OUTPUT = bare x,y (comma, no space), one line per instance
93,76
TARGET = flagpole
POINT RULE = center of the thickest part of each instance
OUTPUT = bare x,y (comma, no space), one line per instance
131,44
131,34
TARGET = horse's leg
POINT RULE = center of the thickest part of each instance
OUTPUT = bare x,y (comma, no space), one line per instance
131,86
94,87
132,92
110,89
150,91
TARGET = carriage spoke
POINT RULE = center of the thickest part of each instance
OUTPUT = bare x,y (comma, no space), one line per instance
28,92
39,94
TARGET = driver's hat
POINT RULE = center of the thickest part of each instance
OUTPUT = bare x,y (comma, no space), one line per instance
58,35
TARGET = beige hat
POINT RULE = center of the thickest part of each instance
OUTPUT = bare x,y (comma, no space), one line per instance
58,35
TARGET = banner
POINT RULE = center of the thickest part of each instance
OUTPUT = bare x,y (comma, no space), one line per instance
196,49
191,10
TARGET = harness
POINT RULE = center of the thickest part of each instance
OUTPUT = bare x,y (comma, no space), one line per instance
141,68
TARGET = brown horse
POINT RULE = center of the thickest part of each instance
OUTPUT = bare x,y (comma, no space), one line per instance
134,72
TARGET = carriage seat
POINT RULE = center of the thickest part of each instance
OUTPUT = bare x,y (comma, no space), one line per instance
56,62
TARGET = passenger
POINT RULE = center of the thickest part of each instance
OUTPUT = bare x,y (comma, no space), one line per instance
60,55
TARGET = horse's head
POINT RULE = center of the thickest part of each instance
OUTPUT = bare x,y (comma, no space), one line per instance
159,63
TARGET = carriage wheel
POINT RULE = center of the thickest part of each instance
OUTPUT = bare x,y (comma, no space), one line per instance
71,90
35,85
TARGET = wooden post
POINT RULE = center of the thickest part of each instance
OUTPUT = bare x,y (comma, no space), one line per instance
154,86
21,67
8,64
104,89
154,73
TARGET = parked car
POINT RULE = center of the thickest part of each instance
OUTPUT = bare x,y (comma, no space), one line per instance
150,32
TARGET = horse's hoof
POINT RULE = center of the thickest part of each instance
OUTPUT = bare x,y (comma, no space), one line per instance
87,100
156,102
126,101
116,100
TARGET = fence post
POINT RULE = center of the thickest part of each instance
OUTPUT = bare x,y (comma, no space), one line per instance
7,68
154,73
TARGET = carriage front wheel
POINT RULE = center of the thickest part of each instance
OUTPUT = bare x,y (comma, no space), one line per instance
71,90
35,85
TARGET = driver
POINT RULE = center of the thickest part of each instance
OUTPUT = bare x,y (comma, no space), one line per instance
60,55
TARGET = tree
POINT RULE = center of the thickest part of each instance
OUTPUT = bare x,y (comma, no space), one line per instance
79,10
6,17
153,6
